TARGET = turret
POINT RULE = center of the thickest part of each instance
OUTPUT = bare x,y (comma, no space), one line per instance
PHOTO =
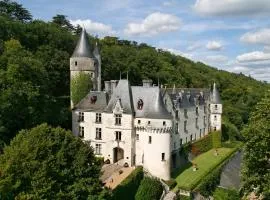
82,70
215,109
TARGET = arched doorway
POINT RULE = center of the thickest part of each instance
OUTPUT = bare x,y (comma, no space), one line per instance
118,154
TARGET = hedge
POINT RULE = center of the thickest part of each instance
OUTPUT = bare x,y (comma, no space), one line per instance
150,188
226,194
128,188
216,139
202,145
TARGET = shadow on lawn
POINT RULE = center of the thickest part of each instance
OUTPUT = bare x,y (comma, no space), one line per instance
179,170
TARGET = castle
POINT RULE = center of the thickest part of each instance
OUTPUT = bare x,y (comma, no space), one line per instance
138,125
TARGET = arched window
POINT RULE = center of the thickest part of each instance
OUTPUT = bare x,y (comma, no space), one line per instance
140,104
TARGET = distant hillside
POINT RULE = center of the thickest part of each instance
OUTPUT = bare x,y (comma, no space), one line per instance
34,74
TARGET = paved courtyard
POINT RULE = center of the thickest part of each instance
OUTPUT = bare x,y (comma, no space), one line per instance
111,176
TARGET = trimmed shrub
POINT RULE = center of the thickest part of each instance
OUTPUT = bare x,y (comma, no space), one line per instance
150,188
128,188
226,194
216,139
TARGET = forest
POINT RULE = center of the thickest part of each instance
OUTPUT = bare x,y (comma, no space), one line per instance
34,73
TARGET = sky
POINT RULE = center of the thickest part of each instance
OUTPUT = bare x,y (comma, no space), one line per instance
233,35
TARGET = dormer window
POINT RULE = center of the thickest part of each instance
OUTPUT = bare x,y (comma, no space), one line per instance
118,118
140,104
93,99
81,117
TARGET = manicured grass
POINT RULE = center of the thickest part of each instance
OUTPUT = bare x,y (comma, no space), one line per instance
188,179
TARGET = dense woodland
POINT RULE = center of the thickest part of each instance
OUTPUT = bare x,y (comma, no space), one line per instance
34,78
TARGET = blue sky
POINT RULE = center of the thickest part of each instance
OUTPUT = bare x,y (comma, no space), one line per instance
233,35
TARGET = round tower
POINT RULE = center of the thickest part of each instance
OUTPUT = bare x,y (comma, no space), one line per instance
215,110
82,70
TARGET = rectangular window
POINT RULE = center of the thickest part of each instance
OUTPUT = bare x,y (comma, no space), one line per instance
98,149
215,118
181,141
216,107
185,126
137,137
163,156
118,135
118,118
164,123
196,124
81,117
150,139
98,133
204,120
139,121
197,111
176,114
176,128
185,113
81,131
191,137
98,117
149,122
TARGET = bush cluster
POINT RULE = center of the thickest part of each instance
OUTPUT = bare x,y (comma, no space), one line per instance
128,188
150,188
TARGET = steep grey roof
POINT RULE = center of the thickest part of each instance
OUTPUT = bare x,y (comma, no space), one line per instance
153,106
188,97
83,48
215,97
122,92
98,105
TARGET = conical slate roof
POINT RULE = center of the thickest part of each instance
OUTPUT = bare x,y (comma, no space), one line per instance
215,95
83,48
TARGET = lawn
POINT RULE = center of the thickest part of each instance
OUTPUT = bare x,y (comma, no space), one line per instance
188,179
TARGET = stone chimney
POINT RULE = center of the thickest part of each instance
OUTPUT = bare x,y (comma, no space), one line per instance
113,85
147,83
107,86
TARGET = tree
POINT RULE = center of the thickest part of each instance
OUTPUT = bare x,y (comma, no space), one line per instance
150,188
49,163
62,21
14,11
256,167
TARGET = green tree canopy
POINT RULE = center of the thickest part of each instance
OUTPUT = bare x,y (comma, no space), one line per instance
256,168
62,21
14,10
49,163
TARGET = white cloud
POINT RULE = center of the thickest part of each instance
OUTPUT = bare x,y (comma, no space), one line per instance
259,37
253,56
195,46
153,24
179,53
231,7
217,25
214,45
169,3
216,59
94,27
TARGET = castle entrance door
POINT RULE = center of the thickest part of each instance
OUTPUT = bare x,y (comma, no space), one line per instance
118,154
